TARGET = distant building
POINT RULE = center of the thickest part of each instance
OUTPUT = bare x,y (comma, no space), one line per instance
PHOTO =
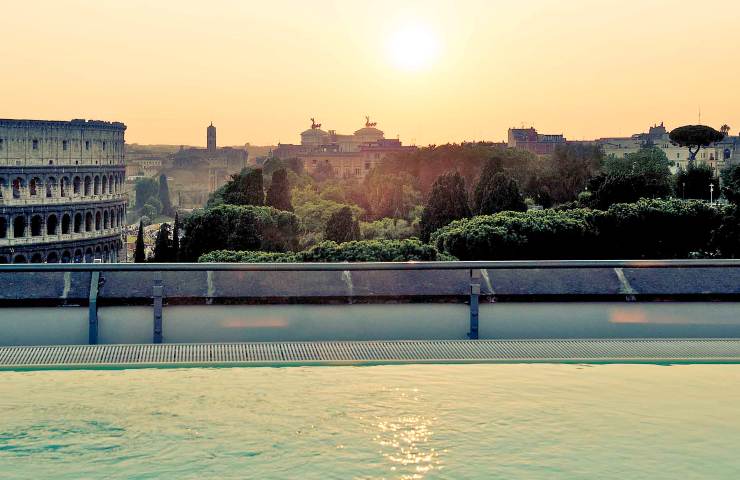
530,140
346,156
718,155
212,164
211,138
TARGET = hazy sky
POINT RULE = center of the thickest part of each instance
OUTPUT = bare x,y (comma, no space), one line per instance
429,71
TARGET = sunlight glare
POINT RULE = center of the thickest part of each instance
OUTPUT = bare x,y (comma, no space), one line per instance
413,47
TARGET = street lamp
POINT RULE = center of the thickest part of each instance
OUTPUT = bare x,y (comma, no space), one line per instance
711,193
683,191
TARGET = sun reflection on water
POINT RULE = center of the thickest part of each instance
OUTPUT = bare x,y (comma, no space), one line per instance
405,440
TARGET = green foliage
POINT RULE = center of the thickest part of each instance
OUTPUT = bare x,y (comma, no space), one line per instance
448,201
694,182
643,174
357,251
139,254
426,164
390,195
146,189
626,188
518,235
342,226
496,191
646,161
176,227
149,210
272,165
322,172
231,256
726,238
278,195
645,229
388,229
244,188
731,184
238,227
163,249
314,211
164,197
657,229
694,137
569,169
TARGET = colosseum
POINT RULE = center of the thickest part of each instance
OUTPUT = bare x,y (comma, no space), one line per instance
61,191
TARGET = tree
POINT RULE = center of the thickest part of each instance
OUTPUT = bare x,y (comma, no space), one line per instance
731,184
496,191
139,255
323,171
164,196
694,137
146,189
163,245
390,195
643,174
278,195
569,169
342,226
448,201
244,188
238,227
646,161
695,180
176,239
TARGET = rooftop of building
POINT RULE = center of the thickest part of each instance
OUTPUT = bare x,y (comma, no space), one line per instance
77,123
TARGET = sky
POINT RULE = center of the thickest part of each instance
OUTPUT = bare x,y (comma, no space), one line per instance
429,72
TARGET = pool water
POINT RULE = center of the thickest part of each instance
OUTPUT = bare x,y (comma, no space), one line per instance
526,421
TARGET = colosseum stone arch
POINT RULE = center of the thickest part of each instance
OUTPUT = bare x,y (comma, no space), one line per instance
61,201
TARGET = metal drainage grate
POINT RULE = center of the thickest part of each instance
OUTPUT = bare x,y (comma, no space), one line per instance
372,352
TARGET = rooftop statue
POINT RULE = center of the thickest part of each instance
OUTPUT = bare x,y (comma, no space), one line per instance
314,125
369,124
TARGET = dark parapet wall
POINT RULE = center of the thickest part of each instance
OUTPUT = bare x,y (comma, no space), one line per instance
123,303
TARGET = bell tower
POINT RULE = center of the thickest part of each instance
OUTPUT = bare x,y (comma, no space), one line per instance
211,138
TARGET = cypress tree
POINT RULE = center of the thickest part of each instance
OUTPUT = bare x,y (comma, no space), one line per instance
164,196
255,193
448,201
176,239
497,192
139,255
244,188
162,245
342,226
278,195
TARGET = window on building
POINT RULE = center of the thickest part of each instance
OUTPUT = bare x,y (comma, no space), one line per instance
103,145
35,144
87,144
64,145
2,143
357,171
367,165
678,155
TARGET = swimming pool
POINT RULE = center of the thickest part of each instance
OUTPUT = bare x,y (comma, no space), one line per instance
531,421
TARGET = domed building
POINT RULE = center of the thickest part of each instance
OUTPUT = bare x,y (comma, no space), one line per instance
345,156
61,191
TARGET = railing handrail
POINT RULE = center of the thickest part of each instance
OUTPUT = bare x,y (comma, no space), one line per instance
365,266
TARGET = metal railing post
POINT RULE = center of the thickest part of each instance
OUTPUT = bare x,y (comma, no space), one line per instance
157,297
92,312
474,308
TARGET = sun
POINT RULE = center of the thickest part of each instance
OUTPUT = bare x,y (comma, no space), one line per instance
413,47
